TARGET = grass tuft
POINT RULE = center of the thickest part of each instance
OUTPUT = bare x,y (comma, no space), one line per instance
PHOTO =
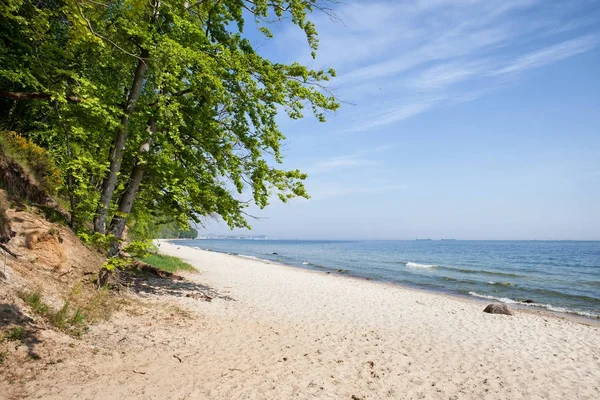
34,300
15,334
81,308
167,263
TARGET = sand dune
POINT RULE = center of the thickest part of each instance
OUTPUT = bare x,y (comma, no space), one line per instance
276,332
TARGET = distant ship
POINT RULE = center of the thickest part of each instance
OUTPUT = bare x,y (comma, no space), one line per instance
419,239
448,239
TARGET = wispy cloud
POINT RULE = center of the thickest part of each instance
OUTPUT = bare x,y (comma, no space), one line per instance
331,190
409,57
337,163
389,116
361,158
443,75
551,54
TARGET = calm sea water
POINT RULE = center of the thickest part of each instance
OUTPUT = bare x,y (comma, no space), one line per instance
558,276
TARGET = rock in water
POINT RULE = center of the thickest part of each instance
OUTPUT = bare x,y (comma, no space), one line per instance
498,308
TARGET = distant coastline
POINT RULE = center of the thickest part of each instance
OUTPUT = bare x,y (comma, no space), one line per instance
232,237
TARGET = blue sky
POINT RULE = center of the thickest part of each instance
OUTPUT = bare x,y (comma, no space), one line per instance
467,119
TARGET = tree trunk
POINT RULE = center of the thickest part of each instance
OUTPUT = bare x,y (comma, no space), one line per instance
70,188
116,156
119,220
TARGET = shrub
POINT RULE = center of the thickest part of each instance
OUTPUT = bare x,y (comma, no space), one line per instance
98,240
139,248
34,159
116,263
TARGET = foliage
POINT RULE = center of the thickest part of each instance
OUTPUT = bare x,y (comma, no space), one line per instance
144,226
139,248
98,240
174,231
168,98
167,263
34,159
116,263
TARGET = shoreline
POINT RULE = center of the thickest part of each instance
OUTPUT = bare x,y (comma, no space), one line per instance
245,329
293,332
572,316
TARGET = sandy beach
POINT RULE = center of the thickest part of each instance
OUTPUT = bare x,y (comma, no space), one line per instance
278,332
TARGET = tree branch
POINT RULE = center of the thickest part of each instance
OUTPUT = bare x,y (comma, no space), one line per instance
89,25
188,5
7,250
176,94
35,96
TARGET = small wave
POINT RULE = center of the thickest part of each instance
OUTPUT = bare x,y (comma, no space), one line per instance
463,270
484,272
450,279
501,283
501,299
554,293
548,307
316,265
417,265
250,257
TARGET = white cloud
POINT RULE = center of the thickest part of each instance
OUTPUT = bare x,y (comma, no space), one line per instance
408,57
399,113
331,190
551,54
443,75
337,163
359,158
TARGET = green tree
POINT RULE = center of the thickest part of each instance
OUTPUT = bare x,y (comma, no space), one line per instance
163,109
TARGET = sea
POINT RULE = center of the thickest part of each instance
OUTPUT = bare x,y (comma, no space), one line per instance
560,276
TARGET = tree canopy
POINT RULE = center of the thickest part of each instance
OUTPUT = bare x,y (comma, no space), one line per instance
157,110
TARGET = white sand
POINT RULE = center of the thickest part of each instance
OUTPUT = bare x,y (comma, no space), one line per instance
293,333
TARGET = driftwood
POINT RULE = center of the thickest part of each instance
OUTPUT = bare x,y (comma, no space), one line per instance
117,278
197,295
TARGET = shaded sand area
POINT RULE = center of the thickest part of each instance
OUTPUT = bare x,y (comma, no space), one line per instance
276,332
